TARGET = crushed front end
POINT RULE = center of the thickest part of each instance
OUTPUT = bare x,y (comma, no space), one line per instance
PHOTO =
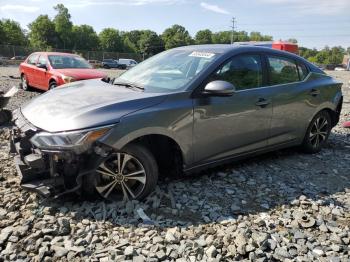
52,170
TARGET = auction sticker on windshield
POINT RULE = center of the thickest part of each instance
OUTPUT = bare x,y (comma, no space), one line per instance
202,54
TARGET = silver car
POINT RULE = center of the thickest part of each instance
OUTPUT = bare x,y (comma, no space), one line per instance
178,112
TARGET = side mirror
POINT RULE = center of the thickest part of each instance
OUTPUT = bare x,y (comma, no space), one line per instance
219,88
43,66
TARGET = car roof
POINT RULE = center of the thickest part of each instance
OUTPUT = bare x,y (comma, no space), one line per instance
55,53
228,48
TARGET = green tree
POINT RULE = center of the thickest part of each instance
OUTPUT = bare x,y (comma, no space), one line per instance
42,32
240,36
63,26
85,38
257,36
13,33
2,34
222,37
131,41
175,36
204,37
110,40
150,43
292,40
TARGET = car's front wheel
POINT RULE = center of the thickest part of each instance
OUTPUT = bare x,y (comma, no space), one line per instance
317,133
129,174
52,85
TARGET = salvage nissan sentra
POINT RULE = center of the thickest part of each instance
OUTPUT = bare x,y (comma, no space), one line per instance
178,112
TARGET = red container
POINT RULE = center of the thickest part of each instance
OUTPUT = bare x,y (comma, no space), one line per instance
285,46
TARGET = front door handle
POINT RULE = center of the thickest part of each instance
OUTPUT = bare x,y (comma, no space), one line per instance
262,102
314,92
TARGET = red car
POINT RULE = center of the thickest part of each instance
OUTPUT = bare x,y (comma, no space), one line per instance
46,70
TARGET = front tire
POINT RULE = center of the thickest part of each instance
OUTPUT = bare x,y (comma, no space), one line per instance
129,174
52,85
317,133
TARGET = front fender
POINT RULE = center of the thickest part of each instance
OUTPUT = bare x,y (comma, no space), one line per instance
173,119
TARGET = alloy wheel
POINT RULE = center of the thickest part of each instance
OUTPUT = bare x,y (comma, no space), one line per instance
319,131
121,175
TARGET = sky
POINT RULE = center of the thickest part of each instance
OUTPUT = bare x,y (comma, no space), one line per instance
314,23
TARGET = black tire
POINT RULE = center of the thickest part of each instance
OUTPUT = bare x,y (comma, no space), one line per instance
52,85
139,152
24,83
317,133
106,66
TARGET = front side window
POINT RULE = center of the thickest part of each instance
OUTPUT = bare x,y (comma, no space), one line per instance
69,61
32,59
42,60
243,71
282,70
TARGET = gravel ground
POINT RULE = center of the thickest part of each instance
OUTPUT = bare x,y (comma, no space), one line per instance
281,206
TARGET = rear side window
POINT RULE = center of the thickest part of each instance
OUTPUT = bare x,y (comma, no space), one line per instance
282,70
243,71
303,71
32,59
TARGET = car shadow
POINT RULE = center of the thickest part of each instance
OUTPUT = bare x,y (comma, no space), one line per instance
259,184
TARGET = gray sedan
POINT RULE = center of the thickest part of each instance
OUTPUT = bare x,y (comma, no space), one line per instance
176,113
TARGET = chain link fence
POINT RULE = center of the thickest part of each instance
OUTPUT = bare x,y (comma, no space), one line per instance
19,53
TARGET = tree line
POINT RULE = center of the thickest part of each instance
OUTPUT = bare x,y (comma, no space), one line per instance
60,33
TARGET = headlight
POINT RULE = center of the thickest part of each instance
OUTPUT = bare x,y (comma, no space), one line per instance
68,140
67,79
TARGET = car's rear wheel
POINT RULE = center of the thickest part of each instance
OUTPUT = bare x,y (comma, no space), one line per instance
24,83
129,174
317,133
106,67
52,85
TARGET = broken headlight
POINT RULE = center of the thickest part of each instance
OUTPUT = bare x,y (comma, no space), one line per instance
68,140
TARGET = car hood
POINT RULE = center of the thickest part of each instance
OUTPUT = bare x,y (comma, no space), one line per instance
86,104
81,73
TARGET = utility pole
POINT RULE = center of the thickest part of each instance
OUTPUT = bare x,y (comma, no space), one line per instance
233,29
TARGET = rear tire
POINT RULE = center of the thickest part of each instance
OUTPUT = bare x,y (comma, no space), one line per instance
106,67
317,133
137,179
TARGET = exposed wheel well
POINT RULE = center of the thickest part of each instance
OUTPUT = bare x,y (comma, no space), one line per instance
167,153
52,80
334,115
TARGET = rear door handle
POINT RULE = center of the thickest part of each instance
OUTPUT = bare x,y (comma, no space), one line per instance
314,92
262,102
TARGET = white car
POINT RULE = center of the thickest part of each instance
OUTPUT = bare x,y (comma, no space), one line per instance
128,62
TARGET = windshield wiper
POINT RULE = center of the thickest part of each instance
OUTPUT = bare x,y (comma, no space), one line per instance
129,85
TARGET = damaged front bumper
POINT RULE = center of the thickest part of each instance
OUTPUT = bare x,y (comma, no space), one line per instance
49,173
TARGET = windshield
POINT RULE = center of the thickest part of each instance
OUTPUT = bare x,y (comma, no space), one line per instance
169,71
69,61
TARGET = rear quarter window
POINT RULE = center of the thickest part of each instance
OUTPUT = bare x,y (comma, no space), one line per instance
303,71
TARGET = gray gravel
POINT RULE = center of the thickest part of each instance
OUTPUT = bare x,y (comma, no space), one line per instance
282,206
